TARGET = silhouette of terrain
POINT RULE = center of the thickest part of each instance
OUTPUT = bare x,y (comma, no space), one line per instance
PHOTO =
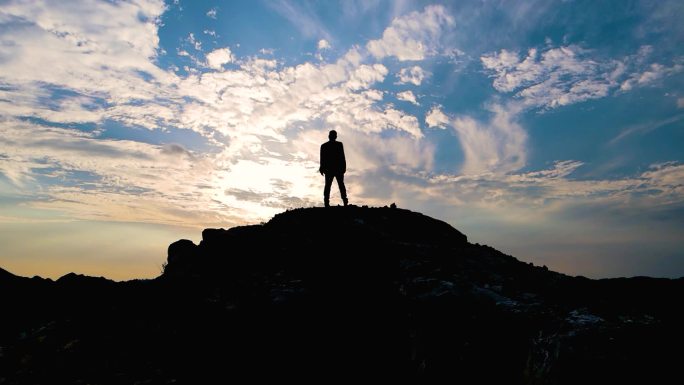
343,293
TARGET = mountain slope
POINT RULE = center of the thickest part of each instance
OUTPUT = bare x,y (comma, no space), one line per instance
341,293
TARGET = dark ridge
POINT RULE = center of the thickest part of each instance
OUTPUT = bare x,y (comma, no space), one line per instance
341,293
4,274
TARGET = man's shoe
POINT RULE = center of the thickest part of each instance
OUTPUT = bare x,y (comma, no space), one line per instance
346,201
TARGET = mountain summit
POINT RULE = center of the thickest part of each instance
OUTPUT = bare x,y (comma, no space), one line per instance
341,293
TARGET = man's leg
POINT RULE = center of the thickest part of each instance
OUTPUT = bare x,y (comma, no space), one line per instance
326,189
343,190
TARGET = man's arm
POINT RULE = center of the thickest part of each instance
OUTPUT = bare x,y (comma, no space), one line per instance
320,166
344,161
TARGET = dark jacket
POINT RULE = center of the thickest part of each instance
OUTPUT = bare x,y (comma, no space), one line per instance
332,158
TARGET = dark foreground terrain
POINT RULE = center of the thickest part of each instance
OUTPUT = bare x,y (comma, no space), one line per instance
352,294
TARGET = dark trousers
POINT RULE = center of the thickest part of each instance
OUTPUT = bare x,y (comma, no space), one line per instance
340,184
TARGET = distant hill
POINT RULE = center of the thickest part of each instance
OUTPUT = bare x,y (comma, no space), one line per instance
349,294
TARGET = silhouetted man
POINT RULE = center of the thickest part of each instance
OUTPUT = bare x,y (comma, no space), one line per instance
333,165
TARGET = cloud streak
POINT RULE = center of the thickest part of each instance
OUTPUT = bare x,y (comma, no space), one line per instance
301,17
643,128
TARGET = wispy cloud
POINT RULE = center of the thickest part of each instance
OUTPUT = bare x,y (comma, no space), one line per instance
653,73
551,190
494,146
194,42
556,77
644,128
569,74
498,145
301,17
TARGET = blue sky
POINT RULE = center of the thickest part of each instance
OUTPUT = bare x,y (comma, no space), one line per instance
551,130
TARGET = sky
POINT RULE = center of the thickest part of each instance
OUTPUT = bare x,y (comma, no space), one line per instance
550,130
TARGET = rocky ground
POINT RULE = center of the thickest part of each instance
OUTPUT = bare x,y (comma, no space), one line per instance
344,293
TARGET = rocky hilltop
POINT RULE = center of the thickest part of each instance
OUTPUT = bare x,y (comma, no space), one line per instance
343,293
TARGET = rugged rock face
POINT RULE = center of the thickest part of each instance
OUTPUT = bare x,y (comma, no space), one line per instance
341,293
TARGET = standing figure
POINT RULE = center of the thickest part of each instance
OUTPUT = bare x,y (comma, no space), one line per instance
333,165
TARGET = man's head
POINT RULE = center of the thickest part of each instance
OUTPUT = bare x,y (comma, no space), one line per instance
332,135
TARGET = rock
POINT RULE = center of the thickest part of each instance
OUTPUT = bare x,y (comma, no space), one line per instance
180,256
581,317
181,250
380,294
212,235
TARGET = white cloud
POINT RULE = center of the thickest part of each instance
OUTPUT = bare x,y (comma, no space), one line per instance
106,57
367,153
249,113
262,100
323,44
495,146
436,118
553,78
413,36
212,13
365,75
654,72
413,75
567,75
72,43
218,57
501,63
139,182
407,96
